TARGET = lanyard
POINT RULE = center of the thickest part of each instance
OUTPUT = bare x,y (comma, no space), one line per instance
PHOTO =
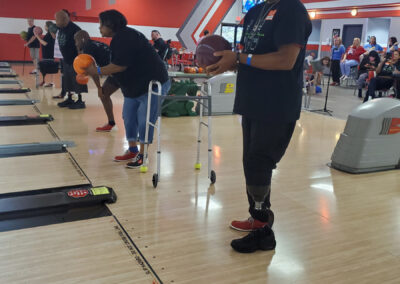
252,39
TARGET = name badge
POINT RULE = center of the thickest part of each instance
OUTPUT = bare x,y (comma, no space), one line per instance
270,15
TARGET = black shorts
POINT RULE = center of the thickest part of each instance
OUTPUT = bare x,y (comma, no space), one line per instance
70,80
48,66
110,86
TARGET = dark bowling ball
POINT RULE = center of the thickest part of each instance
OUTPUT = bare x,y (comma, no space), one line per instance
206,48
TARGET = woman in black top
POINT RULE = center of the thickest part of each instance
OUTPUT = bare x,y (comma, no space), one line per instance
385,70
369,63
47,65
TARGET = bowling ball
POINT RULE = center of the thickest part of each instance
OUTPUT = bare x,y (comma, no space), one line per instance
37,30
82,79
24,35
81,62
206,48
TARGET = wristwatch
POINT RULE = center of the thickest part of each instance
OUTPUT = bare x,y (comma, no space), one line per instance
238,58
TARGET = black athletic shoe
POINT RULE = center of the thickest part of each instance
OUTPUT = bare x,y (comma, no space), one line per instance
77,105
260,239
66,103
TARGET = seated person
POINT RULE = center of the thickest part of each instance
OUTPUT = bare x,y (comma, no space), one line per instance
318,67
393,45
385,70
372,45
351,58
369,63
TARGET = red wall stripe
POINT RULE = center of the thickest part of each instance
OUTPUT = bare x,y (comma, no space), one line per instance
158,13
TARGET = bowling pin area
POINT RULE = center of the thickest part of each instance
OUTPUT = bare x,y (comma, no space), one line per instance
70,214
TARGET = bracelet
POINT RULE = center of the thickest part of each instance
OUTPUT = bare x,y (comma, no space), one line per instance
98,70
248,62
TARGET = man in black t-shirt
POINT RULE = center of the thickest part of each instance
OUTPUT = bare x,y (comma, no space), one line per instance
159,44
33,44
268,96
66,42
102,54
134,63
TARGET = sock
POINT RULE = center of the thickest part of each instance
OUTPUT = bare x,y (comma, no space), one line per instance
112,122
79,98
69,96
133,149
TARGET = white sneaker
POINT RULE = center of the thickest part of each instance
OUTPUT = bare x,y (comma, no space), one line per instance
341,78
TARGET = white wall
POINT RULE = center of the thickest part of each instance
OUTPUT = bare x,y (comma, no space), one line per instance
328,25
379,27
395,27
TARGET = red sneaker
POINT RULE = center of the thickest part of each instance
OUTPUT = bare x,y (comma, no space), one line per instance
125,157
252,224
105,128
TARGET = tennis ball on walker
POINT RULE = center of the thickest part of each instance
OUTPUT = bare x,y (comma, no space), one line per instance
143,169
197,166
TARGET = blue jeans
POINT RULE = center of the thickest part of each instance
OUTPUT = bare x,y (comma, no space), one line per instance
134,114
346,66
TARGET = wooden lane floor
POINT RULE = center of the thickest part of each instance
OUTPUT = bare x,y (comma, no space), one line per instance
25,134
7,96
38,172
330,227
17,110
89,251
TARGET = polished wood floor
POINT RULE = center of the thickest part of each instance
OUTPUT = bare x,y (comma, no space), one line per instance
331,227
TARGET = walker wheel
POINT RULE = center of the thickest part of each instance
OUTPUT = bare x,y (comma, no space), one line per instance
213,177
155,180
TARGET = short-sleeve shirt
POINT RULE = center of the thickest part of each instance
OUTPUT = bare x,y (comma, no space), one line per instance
35,43
337,52
388,69
272,95
48,50
161,46
100,52
130,48
66,42
354,53
376,47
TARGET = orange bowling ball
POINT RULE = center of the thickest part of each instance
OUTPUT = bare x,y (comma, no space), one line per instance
82,79
81,62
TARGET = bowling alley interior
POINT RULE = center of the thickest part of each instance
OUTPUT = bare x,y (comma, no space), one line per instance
200,141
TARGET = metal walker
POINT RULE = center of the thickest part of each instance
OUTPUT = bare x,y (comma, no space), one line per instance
201,101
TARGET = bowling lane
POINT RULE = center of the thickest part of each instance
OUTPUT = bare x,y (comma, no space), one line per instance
95,251
8,96
37,172
16,110
25,134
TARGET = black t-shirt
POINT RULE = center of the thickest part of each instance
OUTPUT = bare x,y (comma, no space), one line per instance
100,52
161,46
35,43
388,68
272,95
67,43
48,50
131,48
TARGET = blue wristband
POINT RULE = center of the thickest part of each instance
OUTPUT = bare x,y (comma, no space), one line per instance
249,57
98,70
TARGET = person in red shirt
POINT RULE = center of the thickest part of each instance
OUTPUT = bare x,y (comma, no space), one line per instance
351,58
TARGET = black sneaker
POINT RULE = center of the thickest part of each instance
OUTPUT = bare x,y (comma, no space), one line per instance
77,105
66,103
260,239
137,162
